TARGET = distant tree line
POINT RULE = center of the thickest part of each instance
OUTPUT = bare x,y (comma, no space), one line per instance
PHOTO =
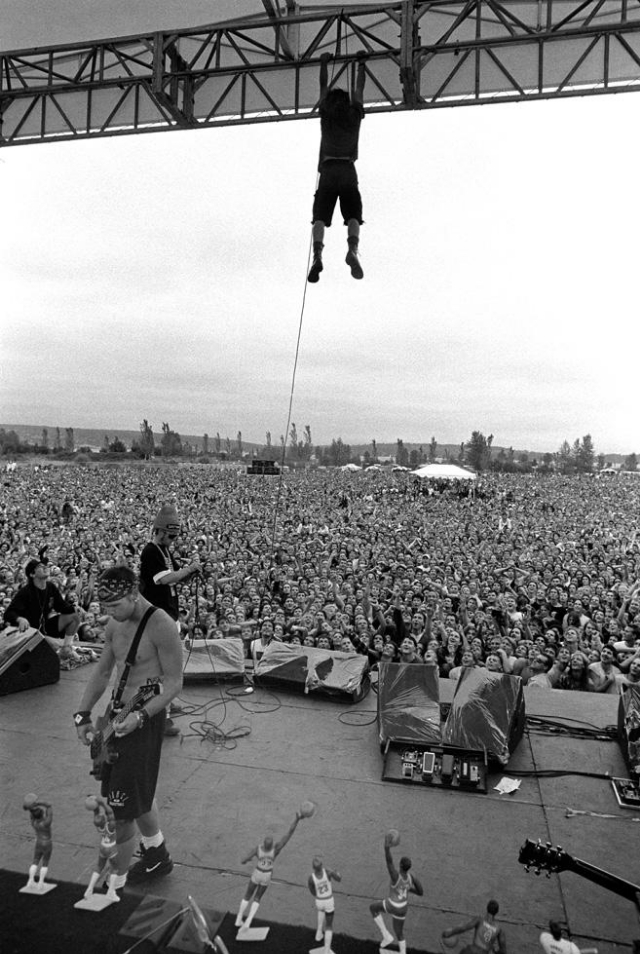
577,458
478,453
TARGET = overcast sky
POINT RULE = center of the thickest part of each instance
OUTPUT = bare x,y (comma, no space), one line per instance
163,277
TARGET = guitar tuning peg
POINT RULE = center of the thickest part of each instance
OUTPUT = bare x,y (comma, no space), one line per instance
548,874
527,868
537,872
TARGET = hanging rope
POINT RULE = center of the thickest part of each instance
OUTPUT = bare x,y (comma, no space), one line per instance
276,510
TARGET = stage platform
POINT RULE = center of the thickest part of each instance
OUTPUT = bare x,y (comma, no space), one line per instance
221,794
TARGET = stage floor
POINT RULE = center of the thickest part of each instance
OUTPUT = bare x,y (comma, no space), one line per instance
220,795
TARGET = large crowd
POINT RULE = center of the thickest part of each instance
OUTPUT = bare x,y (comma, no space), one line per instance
533,576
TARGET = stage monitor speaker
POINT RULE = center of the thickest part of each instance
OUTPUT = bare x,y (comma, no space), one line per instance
322,671
26,661
263,467
487,713
408,704
213,659
629,728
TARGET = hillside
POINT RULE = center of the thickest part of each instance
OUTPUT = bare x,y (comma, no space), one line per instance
94,438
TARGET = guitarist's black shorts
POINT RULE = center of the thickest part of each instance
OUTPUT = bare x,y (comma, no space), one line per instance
130,785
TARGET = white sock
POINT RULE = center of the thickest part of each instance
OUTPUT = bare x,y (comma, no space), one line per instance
320,927
252,912
154,841
33,870
244,904
92,883
386,937
328,935
116,881
403,947
43,875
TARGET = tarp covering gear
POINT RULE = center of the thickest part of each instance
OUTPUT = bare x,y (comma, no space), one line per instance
408,704
319,671
487,712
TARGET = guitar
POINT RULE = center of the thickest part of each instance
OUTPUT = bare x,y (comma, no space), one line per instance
554,860
102,750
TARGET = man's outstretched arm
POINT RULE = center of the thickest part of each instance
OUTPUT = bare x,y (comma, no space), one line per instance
361,76
324,74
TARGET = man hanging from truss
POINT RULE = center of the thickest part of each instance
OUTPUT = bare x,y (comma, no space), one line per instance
340,118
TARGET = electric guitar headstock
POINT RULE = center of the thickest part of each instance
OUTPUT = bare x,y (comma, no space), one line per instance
554,860
544,858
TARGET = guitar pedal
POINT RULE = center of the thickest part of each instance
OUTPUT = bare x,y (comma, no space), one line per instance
627,792
446,771
428,765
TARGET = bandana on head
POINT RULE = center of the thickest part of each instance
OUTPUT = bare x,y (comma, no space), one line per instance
110,590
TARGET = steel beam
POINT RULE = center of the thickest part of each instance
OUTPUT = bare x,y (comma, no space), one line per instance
419,54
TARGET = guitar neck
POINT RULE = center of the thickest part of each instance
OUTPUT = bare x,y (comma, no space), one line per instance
625,889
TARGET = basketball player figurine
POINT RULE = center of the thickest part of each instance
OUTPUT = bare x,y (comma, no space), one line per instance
320,887
396,903
41,816
104,820
266,854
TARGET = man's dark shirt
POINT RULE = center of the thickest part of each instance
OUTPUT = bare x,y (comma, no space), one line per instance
153,560
339,137
36,605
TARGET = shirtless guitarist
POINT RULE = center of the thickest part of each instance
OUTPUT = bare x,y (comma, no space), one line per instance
130,781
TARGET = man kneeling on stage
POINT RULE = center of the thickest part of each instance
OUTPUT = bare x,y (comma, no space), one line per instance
40,605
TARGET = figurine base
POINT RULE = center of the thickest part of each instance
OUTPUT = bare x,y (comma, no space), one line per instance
95,902
319,950
252,934
43,888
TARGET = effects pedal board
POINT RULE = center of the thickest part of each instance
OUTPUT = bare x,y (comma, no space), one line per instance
627,792
436,767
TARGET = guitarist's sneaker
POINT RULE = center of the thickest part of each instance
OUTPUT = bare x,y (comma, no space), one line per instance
154,863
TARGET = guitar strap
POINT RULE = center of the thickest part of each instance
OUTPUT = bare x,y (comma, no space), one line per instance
131,655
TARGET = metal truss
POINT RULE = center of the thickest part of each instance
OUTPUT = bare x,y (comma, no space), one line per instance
418,55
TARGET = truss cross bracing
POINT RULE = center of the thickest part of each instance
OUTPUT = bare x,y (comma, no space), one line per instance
419,55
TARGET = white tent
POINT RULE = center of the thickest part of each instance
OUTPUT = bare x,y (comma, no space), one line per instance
444,472
351,467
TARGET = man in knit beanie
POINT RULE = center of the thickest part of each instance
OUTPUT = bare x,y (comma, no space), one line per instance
159,570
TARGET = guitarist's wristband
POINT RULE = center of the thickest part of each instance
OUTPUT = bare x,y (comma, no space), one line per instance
81,718
143,717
